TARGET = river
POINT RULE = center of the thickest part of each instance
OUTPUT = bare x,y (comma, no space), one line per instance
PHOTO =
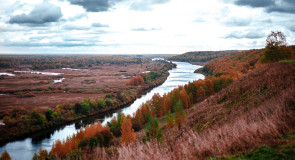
25,149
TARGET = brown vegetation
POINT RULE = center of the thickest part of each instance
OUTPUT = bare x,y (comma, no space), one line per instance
251,112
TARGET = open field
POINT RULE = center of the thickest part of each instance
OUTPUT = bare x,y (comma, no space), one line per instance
31,90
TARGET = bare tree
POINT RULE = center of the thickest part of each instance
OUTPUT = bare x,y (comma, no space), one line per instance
276,38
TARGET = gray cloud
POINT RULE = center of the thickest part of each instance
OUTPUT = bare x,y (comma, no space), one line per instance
282,6
145,29
291,28
248,35
95,5
255,3
49,44
99,25
40,15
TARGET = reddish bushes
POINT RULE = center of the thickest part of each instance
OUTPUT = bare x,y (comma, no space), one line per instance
61,148
135,81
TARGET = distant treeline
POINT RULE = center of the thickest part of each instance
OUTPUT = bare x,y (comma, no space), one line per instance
201,56
56,62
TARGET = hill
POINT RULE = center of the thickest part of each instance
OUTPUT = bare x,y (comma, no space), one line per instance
255,110
235,64
200,57
252,116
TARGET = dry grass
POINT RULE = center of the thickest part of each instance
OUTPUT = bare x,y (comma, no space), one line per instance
253,111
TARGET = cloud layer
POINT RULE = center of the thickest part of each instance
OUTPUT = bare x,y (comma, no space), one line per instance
141,26
41,14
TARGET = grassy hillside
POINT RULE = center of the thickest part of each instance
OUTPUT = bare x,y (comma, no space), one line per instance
253,111
200,57
248,118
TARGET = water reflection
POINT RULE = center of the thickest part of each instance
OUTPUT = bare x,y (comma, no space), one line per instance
25,149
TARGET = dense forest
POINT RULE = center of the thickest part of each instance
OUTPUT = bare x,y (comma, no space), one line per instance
39,62
200,57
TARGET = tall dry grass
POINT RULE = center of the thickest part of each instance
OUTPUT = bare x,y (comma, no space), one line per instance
228,125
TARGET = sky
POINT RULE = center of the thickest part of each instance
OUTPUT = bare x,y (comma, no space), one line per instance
141,26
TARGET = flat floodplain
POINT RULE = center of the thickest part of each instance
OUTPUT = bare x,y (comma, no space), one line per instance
36,90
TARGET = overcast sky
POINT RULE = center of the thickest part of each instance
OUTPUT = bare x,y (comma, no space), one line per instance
141,26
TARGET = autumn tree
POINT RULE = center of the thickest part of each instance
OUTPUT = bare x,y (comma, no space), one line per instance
157,105
135,81
5,156
180,115
167,103
200,94
169,119
128,135
184,98
276,48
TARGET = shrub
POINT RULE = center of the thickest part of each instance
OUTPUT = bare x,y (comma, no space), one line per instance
153,130
93,142
85,108
83,143
107,136
101,103
49,114
37,118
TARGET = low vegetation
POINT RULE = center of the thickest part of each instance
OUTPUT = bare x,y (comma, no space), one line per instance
20,122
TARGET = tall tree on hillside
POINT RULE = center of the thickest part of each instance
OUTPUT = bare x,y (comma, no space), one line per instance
276,48
180,114
128,135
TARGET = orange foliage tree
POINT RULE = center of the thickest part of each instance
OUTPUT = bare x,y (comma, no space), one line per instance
5,156
157,105
135,81
61,148
128,135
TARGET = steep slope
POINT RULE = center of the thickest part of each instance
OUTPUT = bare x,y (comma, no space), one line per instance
255,110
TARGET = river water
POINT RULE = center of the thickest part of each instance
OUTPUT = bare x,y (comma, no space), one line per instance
25,149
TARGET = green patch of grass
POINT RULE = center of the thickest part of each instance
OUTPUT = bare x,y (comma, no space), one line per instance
276,152
287,61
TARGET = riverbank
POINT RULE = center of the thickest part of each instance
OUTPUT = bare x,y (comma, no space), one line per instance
19,125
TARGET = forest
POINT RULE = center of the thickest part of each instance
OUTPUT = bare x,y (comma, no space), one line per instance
200,57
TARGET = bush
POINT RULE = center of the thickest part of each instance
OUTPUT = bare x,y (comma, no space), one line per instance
49,114
76,154
93,142
107,136
101,103
85,108
136,125
153,130
83,143
37,118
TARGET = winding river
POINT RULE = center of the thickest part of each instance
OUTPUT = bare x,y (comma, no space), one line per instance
25,149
